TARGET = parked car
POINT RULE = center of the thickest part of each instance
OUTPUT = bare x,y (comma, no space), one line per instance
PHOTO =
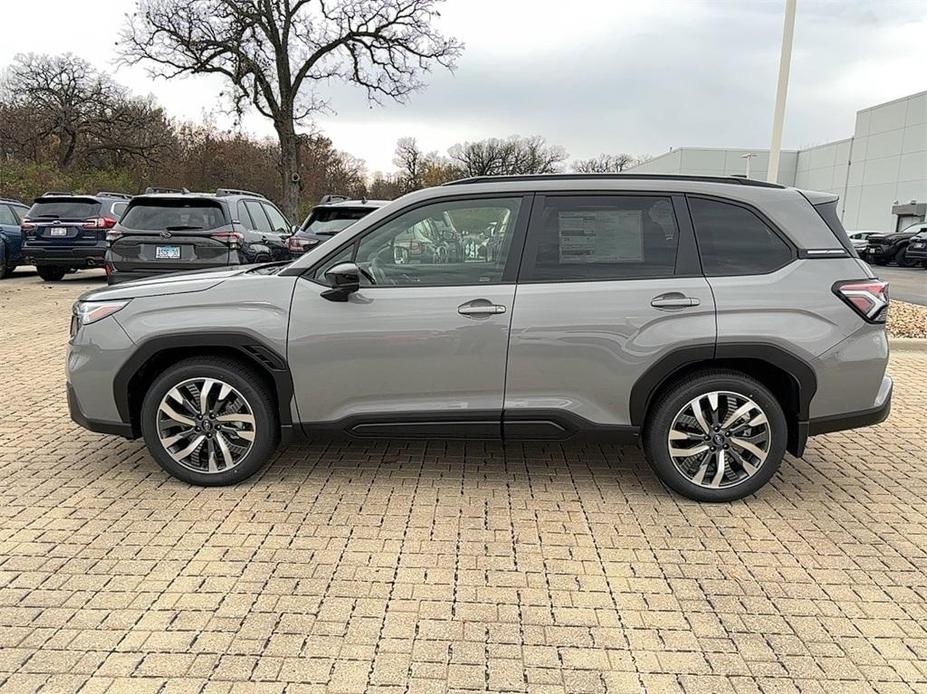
168,232
720,321
333,214
883,249
917,247
859,238
11,241
63,232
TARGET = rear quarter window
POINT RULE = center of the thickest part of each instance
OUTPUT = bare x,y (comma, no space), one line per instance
733,240
174,215
64,208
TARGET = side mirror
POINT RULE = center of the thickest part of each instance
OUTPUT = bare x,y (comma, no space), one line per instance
344,279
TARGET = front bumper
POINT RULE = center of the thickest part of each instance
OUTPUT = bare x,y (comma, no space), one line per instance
916,253
881,253
855,420
95,425
70,256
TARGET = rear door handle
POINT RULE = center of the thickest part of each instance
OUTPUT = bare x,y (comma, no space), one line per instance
480,307
674,300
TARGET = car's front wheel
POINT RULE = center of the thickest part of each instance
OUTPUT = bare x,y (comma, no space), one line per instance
210,421
716,435
901,257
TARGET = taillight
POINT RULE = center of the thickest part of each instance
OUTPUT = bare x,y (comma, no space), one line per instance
232,238
113,235
869,298
27,227
299,245
99,223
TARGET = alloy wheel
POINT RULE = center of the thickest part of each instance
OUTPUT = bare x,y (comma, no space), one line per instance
206,425
719,439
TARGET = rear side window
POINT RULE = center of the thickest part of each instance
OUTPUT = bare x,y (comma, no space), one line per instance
732,240
64,208
243,215
173,215
6,216
828,212
575,238
257,215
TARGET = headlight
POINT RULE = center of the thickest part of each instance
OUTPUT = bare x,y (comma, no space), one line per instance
87,312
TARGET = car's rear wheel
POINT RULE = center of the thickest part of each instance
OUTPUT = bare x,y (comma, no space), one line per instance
51,273
4,268
716,435
210,421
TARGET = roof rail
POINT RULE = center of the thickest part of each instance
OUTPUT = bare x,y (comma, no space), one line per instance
236,191
615,176
153,190
111,194
332,197
18,202
51,193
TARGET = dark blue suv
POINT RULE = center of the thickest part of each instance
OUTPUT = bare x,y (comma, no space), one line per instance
64,232
11,241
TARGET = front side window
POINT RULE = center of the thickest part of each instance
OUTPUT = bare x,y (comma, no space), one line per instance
442,244
261,222
732,240
576,238
277,220
6,216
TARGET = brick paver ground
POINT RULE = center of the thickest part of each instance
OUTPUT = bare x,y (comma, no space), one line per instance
427,567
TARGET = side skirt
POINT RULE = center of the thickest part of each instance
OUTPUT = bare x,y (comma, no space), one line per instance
521,425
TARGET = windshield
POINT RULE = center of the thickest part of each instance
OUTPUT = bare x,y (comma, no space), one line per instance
331,220
64,208
173,215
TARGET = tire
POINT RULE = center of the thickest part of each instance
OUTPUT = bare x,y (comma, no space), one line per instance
902,260
216,444
737,480
4,268
52,273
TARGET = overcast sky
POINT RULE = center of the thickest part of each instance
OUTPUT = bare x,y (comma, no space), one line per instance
592,75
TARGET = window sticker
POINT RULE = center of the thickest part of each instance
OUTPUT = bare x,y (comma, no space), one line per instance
601,236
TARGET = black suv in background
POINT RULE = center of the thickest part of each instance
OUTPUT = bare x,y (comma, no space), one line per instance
63,232
917,246
334,213
168,230
882,249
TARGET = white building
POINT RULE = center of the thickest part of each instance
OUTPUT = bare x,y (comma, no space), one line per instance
880,173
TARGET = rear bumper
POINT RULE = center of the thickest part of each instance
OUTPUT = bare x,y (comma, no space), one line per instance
71,256
855,420
95,425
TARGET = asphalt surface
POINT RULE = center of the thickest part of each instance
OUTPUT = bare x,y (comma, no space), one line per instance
905,283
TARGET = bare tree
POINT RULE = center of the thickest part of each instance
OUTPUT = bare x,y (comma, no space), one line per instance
411,162
511,156
79,112
275,52
606,163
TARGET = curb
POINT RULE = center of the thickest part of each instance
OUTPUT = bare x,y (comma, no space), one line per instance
907,344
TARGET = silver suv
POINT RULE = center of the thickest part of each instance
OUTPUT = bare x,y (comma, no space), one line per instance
720,321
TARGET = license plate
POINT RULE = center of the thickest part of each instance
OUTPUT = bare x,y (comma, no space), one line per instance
59,232
167,252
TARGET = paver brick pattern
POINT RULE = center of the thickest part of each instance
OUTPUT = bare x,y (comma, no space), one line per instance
445,566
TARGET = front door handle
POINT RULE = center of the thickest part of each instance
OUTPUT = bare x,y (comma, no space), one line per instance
674,300
480,307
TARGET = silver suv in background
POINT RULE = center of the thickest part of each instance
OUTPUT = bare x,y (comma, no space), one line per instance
718,321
